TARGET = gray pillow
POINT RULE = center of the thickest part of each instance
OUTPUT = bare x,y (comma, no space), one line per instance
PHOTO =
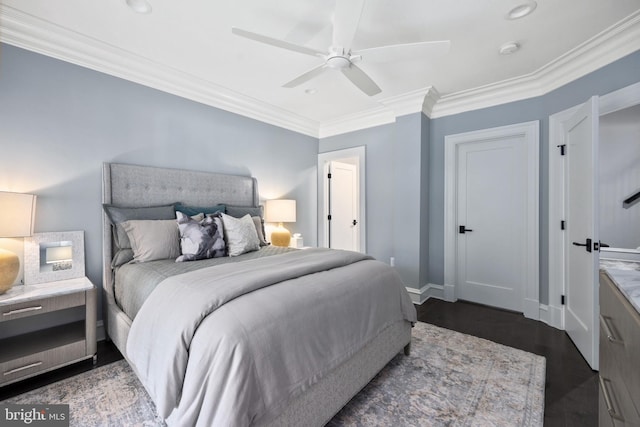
200,239
119,214
257,221
153,239
240,234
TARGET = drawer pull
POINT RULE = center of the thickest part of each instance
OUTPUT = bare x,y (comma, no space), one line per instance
607,331
607,400
13,371
23,310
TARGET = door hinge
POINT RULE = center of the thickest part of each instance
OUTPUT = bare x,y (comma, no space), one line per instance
329,217
562,224
562,300
563,149
329,176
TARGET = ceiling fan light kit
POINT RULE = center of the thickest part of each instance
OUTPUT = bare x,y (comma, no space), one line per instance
340,57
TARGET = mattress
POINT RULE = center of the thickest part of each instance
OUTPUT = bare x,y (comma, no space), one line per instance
135,282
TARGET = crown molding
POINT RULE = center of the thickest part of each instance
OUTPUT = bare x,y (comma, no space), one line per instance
31,33
614,43
376,116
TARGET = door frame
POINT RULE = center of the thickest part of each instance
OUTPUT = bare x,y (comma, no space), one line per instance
530,132
323,192
617,100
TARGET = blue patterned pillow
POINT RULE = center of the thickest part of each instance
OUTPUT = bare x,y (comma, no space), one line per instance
200,239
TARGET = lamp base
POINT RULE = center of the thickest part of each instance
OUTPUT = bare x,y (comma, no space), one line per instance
280,237
9,269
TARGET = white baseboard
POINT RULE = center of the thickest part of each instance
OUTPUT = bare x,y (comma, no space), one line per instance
450,293
419,296
555,317
544,313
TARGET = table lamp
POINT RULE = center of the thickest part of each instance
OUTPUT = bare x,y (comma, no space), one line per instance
17,212
280,211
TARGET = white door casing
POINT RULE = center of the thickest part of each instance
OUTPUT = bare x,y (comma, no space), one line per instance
581,290
492,141
343,206
609,103
357,153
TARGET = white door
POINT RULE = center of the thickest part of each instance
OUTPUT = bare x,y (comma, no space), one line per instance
492,222
343,207
581,289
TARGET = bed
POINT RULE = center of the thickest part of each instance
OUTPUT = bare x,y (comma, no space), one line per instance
275,336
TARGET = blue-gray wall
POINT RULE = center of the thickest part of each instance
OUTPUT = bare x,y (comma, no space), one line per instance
617,75
59,123
403,143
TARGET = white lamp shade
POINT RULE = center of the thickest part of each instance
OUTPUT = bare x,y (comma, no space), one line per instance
59,254
282,210
17,213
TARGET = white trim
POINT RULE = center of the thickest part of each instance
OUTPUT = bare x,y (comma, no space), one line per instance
323,161
615,42
530,131
419,296
614,101
23,30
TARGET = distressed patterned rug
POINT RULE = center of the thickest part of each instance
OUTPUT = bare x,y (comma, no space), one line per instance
450,379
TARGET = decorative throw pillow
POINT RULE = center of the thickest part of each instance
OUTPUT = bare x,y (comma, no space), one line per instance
200,239
241,234
240,211
153,239
118,215
194,210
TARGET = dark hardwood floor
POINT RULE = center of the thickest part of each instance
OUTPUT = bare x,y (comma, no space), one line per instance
571,395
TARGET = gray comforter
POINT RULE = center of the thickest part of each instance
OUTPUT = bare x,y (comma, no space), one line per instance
230,345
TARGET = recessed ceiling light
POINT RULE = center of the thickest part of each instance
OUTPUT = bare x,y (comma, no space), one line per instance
310,91
509,47
522,10
139,6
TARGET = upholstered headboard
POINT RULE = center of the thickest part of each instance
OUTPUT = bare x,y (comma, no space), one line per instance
137,186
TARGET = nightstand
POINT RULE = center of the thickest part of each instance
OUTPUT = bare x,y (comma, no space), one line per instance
26,347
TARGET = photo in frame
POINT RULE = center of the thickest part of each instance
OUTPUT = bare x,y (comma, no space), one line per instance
49,257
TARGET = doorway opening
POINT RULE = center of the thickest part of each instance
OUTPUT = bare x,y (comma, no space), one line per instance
476,216
341,199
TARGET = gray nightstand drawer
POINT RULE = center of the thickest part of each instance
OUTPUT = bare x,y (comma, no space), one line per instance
36,363
44,305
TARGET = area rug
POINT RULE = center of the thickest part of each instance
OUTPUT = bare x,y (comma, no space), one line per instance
450,379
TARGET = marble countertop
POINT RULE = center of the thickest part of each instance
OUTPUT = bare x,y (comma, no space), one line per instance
626,276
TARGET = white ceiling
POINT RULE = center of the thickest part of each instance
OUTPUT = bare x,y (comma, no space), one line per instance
186,48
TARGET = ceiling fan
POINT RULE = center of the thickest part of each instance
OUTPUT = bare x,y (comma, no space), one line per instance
340,56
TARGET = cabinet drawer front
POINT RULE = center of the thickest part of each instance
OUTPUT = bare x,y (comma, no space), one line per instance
45,305
39,362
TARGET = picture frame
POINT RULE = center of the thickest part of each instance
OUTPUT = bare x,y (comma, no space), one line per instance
49,257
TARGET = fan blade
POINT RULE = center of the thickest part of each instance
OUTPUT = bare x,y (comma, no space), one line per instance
305,77
345,22
400,52
361,80
276,42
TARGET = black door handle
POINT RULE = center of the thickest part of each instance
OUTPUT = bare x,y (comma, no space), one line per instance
587,245
462,229
355,222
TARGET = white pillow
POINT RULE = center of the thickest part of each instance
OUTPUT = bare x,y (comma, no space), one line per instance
153,239
240,234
